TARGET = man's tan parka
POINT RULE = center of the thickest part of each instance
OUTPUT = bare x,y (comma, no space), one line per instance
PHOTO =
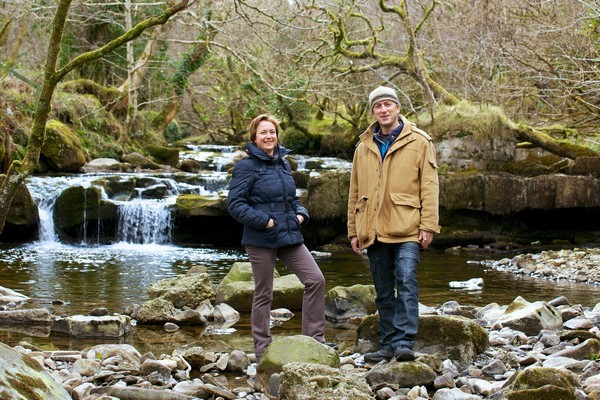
391,200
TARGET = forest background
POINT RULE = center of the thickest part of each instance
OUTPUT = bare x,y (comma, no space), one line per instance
125,74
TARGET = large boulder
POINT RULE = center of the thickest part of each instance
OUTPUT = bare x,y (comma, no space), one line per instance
22,378
22,220
237,289
450,337
328,195
62,150
343,303
164,155
184,291
531,318
81,209
297,348
318,382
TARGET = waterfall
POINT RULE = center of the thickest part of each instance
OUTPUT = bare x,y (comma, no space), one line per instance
144,222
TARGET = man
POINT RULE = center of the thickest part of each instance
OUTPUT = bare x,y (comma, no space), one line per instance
392,211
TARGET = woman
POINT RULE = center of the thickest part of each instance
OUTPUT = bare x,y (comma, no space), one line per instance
262,196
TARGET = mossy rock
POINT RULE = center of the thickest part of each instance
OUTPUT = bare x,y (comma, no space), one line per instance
62,150
164,155
21,377
76,205
194,205
328,195
544,383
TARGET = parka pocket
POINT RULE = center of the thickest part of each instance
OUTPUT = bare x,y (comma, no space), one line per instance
405,215
361,218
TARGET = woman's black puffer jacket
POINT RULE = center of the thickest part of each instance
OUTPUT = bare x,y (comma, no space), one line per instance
262,187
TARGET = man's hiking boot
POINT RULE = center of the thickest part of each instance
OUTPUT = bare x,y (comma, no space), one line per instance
386,353
403,354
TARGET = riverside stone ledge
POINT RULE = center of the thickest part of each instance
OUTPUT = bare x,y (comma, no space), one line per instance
38,316
108,326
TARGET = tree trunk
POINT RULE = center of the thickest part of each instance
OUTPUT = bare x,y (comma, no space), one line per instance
546,142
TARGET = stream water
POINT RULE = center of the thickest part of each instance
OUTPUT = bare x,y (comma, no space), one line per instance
74,279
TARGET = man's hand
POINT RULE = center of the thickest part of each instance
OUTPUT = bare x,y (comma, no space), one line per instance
356,245
425,238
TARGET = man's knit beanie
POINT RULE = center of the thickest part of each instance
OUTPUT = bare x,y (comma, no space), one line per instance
382,93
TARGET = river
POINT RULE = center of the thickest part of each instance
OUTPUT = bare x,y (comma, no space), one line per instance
75,279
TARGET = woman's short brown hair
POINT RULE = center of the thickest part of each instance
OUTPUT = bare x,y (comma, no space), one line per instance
263,117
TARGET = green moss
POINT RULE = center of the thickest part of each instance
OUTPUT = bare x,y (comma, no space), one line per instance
546,392
466,119
29,387
534,378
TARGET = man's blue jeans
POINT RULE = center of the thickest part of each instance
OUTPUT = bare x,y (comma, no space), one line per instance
394,268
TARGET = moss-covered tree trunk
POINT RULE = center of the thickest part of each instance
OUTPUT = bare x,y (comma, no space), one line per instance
18,171
540,139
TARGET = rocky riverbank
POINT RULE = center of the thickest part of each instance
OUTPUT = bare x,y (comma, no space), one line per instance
577,265
518,351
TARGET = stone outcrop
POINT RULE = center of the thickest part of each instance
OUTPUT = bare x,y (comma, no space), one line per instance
504,194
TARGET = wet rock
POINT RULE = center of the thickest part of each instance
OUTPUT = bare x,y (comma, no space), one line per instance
530,318
22,219
297,348
188,290
344,303
160,311
38,316
456,338
93,327
402,374
319,382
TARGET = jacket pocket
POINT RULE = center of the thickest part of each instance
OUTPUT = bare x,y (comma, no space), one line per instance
404,215
361,218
